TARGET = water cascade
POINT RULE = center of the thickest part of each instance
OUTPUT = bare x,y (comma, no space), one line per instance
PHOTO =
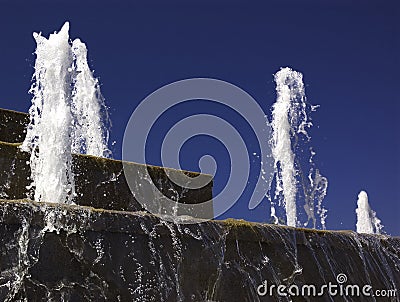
65,116
367,221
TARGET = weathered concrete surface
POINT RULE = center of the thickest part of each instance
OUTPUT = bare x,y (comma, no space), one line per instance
100,182
53,252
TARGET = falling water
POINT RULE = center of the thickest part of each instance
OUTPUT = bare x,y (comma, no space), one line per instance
289,123
64,115
367,221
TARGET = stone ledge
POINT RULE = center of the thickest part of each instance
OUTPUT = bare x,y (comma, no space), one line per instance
75,253
112,220
100,182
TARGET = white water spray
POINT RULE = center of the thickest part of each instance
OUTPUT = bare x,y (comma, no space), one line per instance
315,193
367,221
289,122
64,116
89,135
281,139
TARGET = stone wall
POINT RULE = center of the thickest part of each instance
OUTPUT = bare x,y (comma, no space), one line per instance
54,252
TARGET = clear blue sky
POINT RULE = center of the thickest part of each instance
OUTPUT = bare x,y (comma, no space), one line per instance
348,53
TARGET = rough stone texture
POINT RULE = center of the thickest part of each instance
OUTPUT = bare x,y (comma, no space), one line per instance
100,182
52,252
12,126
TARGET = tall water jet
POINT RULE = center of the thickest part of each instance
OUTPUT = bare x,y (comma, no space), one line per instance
282,146
89,135
367,221
65,116
289,125
48,134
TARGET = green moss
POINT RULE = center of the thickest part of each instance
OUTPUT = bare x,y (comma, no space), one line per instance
235,223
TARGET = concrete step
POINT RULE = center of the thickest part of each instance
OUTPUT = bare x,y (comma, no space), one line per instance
100,182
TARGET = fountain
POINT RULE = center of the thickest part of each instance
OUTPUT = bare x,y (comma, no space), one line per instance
290,122
281,140
106,247
367,221
51,120
64,116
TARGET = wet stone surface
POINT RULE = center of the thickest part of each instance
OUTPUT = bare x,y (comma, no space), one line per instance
100,182
12,126
54,252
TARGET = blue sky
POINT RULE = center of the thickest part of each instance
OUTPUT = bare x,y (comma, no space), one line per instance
348,54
